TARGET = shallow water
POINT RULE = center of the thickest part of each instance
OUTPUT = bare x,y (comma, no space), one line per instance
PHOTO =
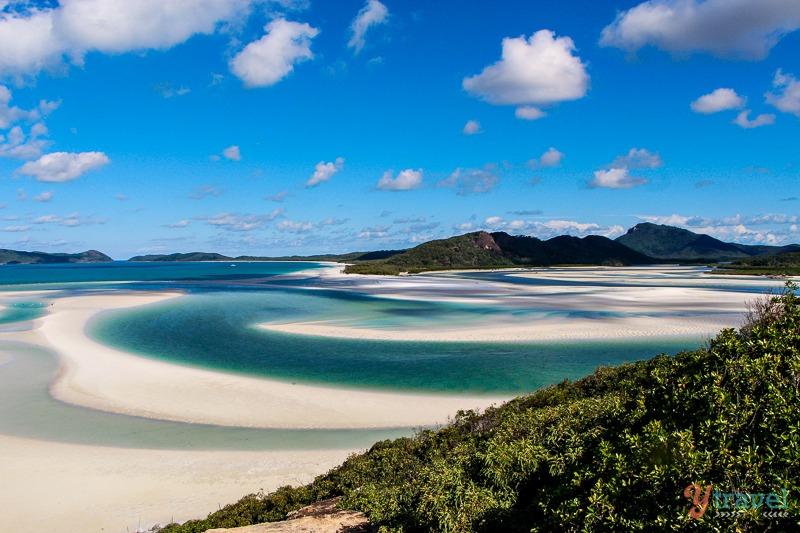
218,330
28,410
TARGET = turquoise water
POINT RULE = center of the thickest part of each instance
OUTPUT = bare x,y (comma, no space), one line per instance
22,311
28,410
217,330
123,271
214,326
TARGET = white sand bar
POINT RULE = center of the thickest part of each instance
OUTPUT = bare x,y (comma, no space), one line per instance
97,376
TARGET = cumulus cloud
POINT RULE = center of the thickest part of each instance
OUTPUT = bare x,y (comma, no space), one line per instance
615,178
467,181
405,180
241,223
743,120
638,158
232,153
529,112
44,196
539,70
268,60
372,14
471,127
718,100
728,28
293,226
16,144
324,171
72,220
550,158
63,166
35,38
788,99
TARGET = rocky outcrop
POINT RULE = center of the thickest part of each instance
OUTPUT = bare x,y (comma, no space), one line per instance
320,517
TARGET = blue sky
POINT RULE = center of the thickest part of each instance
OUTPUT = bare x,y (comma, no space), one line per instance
281,127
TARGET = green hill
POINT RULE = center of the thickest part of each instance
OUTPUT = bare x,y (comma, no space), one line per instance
612,452
16,257
668,242
497,250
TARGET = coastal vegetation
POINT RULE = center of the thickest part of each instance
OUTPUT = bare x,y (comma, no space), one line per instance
623,449
782,264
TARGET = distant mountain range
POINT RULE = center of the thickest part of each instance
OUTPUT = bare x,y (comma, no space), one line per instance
207,256
643,244
671,243
14,257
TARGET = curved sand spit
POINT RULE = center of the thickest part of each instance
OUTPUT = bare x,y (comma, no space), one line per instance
98,376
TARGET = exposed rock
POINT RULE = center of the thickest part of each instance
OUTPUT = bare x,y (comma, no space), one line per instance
319,517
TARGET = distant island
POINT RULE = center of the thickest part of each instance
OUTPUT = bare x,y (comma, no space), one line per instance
643,244
15,257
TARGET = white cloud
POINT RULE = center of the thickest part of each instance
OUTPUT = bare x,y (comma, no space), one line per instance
406,180
233,153
15,144
292,226
545,229
550,158
637,158
539,70
472,127
34,38
529,112
241,223
743,120
178,225
718,100
63,166
471,180
728,28
372,14
73,220
44,196
788,100
324,171
268,60
615,178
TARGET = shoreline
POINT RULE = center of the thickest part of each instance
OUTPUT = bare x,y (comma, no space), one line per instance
100,377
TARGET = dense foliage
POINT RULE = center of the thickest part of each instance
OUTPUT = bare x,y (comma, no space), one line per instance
500,250
611,452
783,264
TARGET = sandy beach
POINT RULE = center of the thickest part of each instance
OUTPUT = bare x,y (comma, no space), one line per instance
61,487
97,376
